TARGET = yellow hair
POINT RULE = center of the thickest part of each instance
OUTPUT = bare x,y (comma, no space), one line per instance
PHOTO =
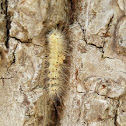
57,49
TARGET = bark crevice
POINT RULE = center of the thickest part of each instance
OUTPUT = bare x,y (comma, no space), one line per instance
8,22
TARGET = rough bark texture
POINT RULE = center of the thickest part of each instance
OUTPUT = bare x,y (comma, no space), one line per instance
96,29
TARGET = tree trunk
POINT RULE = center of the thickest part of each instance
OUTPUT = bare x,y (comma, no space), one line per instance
95,94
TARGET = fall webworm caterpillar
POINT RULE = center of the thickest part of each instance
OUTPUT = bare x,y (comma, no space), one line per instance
55,75
58,48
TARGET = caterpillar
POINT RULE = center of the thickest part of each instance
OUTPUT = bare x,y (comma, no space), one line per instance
55,77
57,55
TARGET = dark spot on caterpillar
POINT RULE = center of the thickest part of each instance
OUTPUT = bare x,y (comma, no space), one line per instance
65,61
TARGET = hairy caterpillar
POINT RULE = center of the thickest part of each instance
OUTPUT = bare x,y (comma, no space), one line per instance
54,77
57,55
57,69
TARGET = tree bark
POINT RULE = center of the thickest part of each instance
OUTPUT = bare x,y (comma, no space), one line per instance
96,31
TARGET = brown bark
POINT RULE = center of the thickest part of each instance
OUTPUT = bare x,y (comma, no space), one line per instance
96,30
